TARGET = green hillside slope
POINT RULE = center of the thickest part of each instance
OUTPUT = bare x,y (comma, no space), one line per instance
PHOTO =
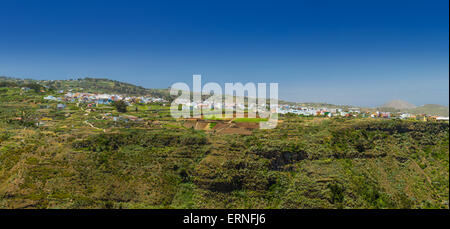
93,85
77,159
431,109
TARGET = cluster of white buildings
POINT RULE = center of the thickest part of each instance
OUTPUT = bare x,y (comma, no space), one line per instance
353,112
282,109
92,98
312,111
210,105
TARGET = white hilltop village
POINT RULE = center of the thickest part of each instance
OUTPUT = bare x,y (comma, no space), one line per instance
94,100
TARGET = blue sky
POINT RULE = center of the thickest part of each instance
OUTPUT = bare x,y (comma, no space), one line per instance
343,52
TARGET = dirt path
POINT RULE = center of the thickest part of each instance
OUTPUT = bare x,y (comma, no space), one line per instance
90,124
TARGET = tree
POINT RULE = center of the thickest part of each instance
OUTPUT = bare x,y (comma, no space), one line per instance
120,105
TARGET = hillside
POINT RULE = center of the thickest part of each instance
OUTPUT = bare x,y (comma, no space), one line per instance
93,85
430,109
403,106
399,105
75,158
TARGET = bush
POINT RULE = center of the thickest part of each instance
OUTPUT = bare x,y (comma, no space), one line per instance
121,106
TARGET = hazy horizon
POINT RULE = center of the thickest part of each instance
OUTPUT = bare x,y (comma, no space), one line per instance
351,52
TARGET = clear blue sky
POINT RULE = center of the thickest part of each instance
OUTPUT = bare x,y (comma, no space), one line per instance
343,52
